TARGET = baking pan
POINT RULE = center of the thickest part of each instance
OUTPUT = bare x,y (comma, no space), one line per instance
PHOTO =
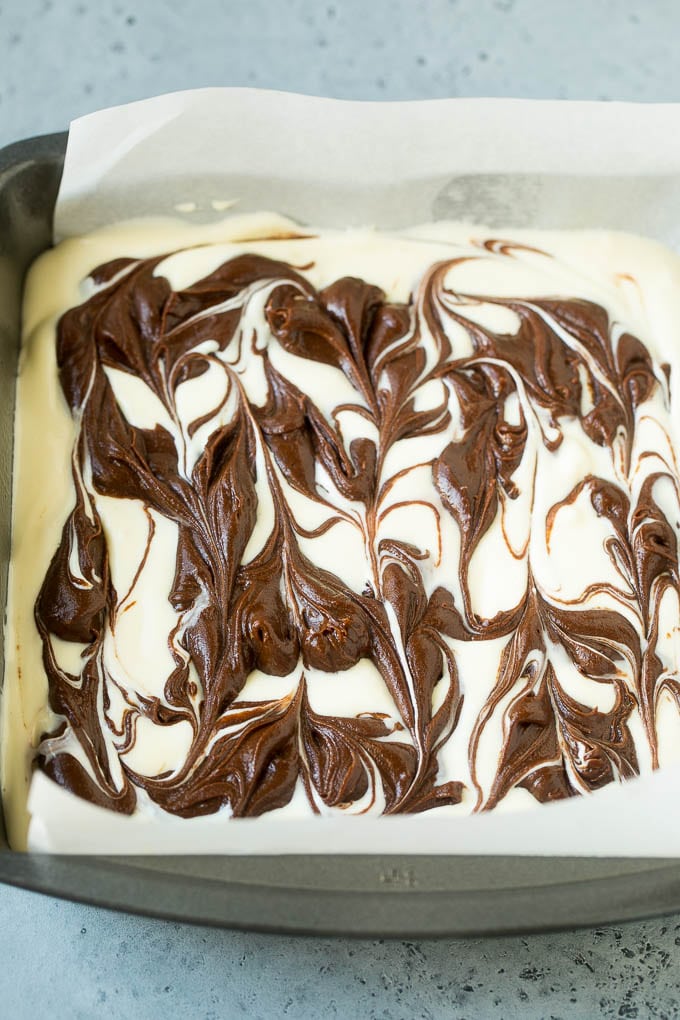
353,895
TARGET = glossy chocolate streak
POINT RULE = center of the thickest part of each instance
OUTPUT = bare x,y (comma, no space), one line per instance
279,612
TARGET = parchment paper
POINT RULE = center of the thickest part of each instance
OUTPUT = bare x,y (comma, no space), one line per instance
333,163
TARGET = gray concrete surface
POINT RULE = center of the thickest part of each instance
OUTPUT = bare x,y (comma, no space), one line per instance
62,59
83,963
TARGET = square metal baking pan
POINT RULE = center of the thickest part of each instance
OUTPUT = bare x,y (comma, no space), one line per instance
356,895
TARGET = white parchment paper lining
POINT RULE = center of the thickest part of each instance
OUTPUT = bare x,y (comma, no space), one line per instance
334,163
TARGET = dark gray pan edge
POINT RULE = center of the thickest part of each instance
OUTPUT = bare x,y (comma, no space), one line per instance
392,896
452,896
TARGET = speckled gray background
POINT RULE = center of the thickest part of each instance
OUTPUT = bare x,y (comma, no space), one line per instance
61,59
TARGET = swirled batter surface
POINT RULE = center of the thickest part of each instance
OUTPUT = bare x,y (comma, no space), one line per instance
358,522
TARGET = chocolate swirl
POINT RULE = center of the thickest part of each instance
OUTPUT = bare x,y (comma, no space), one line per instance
250,592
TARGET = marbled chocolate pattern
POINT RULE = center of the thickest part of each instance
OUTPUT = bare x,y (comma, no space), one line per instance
487,408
